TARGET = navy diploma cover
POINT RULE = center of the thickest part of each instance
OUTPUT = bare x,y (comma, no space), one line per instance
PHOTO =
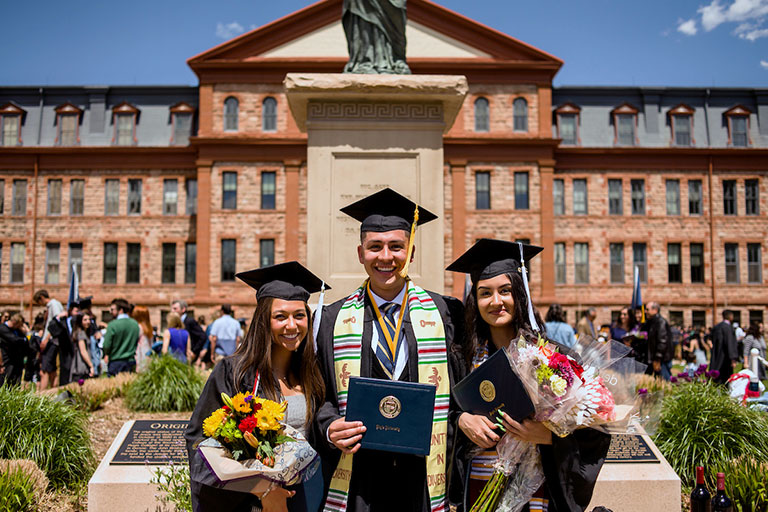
397,415
492,387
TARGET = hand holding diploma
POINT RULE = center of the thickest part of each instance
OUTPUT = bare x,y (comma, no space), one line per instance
346,435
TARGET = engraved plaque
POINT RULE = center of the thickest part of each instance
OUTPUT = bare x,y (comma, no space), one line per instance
157,442
630,448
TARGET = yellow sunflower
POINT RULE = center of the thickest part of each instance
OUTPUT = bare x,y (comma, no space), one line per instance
214,421
239,404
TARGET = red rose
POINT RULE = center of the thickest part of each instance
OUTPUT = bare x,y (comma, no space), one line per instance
248,424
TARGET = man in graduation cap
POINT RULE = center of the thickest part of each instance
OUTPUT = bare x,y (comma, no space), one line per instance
387,329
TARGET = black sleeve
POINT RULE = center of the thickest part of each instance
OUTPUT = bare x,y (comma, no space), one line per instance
196,333
571,466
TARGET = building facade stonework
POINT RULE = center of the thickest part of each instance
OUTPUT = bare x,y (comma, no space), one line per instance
165,192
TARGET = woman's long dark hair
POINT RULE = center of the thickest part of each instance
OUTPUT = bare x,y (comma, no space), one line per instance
255,352
478,332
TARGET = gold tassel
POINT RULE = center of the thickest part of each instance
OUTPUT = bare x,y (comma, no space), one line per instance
404,271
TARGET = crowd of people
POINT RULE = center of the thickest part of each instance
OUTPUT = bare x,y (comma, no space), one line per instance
66,345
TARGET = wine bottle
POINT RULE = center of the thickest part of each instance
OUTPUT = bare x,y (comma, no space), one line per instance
721,502
701,500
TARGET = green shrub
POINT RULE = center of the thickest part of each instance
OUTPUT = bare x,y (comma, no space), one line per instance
52,434
701,425
17,491
746,482
173,483
166,385
93,393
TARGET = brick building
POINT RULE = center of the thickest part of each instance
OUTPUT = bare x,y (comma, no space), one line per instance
163,192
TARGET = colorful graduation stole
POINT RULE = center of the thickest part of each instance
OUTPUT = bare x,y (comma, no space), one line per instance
433,369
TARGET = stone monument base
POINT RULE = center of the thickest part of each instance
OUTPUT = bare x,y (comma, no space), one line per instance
638,486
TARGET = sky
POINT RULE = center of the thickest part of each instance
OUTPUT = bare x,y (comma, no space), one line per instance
699,43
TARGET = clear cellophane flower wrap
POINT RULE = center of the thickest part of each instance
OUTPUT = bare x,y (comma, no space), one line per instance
592,385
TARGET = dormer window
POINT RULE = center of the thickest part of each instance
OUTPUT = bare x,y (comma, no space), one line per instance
567,121
681,124
181,123
11,117
68,124
625,125
738,126
124,118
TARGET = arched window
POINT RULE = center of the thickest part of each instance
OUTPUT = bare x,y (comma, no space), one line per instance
482,115
269,114
520,112
231,109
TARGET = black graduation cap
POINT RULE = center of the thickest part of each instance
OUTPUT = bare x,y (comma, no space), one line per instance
489,258
287,281
84,302
386,210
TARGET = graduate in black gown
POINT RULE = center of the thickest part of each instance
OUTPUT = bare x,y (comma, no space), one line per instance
280,348
382,481
498,310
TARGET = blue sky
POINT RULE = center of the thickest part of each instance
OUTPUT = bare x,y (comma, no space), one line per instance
603,42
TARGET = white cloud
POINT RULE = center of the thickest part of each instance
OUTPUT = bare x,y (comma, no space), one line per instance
752,34
715,13
687,27
228,30
764,64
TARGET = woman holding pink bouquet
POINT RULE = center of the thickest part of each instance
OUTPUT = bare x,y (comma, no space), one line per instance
276,361
499,311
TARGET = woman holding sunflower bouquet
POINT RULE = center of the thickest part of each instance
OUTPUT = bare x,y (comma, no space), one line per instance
272,376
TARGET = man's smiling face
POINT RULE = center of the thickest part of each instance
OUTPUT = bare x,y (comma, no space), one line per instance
383,256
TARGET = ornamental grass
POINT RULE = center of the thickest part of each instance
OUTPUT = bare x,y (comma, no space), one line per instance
92,394
17,491
52,434
167,385
701,425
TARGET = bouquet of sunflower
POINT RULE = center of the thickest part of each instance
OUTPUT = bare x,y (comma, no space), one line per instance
246,440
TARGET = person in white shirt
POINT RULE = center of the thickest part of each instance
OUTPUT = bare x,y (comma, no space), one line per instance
225,334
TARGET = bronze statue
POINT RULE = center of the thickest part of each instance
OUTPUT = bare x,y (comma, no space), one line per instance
375,31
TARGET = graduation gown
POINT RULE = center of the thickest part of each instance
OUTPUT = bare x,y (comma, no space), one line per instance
381,481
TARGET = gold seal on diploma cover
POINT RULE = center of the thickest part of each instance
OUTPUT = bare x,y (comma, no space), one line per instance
390,407
487,390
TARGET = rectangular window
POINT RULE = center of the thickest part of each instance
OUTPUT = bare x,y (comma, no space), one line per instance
682,130
190,262
617,263
182,127
228,259
697,263
580,197
110,263
521,191
694,197
170,196
10,130
124,129
731,263
559,263
266,252
54,197
580,262
698,318
626,129
268,190
191,185
76,260
134,197
615,197
169,263
752,195
673,197
754,263
68,129
638,197
483,190
558,196
567,126
111,197
640,260
19,205
674,263
755,315
76,197
17,262
729,197
739,131
132,263
52,263
229,190
676,318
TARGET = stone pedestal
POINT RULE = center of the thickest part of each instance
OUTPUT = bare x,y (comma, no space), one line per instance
126,488
365,133
638,486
